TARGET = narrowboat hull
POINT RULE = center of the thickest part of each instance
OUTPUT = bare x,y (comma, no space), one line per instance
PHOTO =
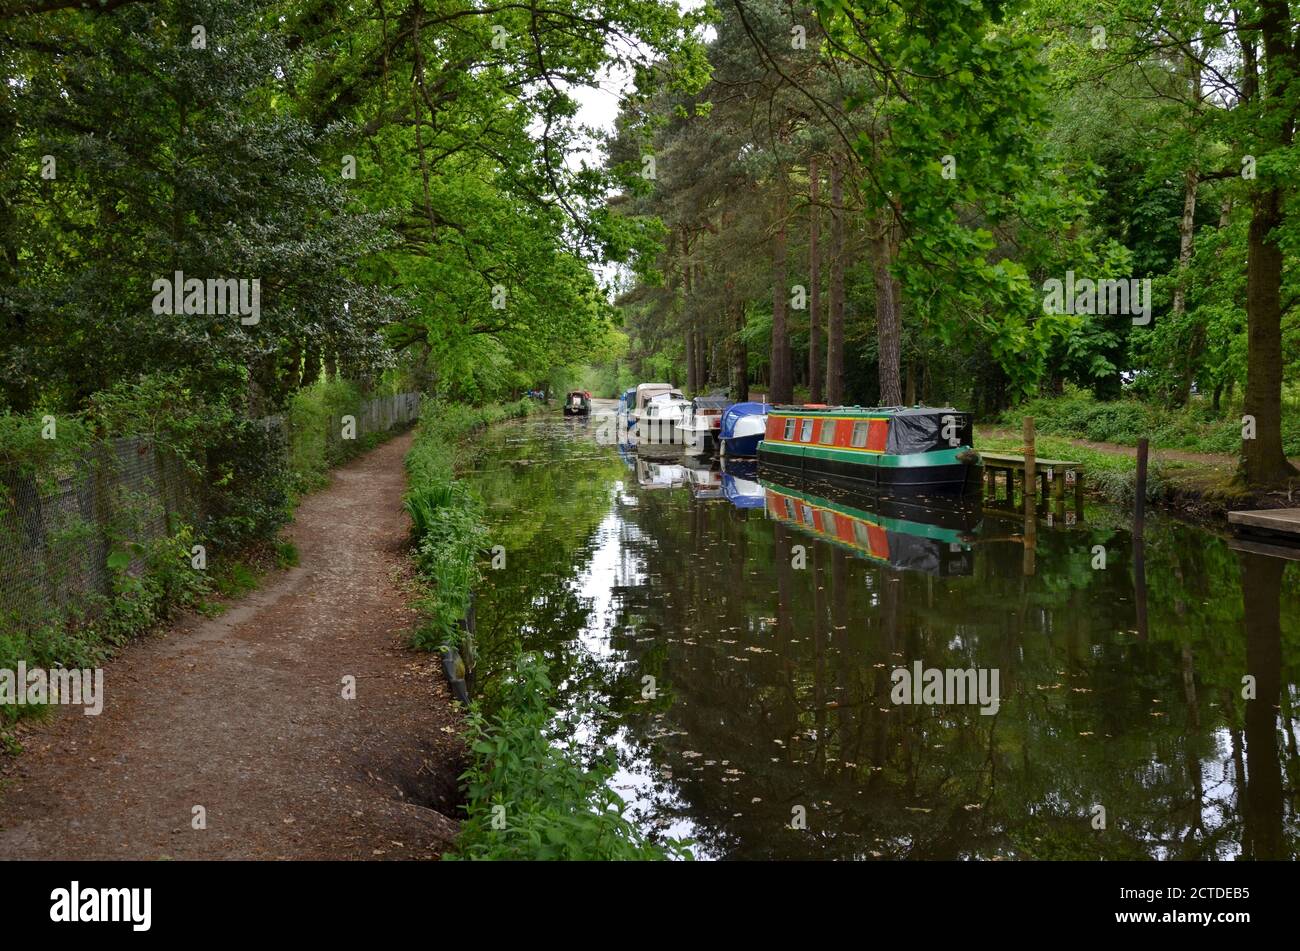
935,470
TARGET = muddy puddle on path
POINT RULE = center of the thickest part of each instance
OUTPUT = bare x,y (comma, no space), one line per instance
772,618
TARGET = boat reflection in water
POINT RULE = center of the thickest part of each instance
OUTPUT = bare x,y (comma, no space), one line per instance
931,535
651,474
740,484
704,481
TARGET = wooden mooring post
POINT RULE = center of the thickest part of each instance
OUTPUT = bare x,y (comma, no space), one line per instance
1051,479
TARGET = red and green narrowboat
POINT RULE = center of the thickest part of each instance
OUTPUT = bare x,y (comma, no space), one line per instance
891,447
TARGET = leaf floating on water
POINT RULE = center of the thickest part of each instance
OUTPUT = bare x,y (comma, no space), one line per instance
918,809
972,806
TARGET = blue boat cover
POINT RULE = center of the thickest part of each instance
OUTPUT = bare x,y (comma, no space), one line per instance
737,411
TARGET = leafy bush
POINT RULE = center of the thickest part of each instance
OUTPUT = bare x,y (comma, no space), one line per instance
446,518
253,486
1194,428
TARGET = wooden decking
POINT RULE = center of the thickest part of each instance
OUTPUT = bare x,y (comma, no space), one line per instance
1268,521
1053,479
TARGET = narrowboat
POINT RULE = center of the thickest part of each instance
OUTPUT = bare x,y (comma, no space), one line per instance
888,447
742,429
701,426
577,403
930,539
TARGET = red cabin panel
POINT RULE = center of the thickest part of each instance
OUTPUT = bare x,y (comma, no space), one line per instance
878,435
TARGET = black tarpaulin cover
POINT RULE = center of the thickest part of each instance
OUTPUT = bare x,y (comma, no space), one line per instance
929,429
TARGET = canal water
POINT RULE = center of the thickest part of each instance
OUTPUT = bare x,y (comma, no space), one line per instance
736,641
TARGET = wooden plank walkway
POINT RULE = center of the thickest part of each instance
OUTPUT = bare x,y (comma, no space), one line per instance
1052,477
1271,521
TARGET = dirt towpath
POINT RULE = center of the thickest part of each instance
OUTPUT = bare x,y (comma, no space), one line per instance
244,715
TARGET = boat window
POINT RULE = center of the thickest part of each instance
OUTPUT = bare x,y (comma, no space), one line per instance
828,431
789,428
806,434
860,533
859,435
807,516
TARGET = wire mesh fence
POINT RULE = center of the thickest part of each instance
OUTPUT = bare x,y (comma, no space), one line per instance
60,523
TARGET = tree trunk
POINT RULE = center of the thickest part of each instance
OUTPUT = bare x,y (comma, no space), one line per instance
889,322
739,353
835,318
1263,462
782,389
1186,229
688,316
815,369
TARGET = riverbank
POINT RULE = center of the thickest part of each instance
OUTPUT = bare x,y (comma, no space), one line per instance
528,793
1194,485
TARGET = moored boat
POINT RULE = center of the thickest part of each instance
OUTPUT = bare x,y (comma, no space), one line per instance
743,427
916,447
659,419
577,403
702,424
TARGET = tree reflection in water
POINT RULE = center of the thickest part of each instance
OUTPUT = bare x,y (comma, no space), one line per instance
774,679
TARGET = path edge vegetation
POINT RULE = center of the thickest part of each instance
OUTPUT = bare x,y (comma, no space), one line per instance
530,792
251,482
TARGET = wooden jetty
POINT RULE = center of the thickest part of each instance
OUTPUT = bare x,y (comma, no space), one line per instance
1053,480
1273,522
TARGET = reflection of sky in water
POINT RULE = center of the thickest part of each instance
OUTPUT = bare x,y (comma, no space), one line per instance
651,798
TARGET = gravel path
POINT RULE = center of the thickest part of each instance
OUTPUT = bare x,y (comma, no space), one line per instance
244,715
